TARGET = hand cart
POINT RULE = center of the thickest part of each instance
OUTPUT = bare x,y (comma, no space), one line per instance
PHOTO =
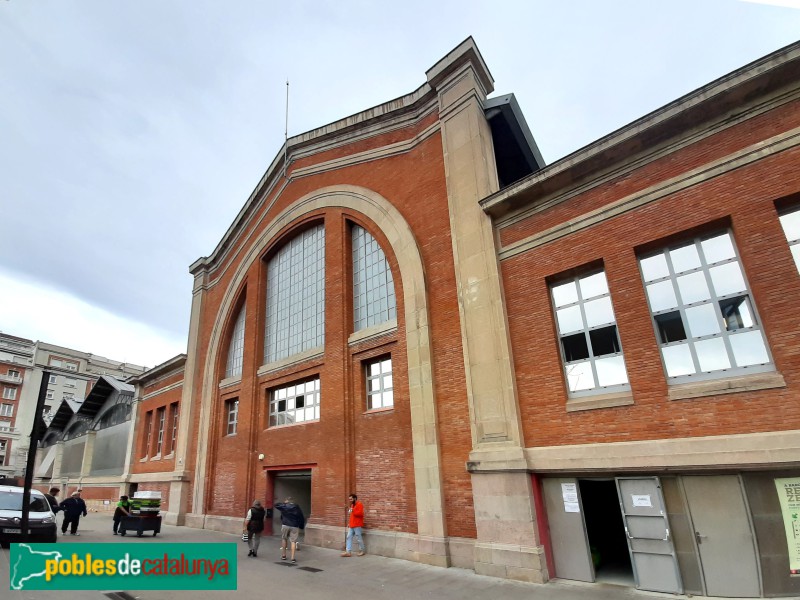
140,524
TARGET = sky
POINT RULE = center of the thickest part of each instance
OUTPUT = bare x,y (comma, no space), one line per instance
132,132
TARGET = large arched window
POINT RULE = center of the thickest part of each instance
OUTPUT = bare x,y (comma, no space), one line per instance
77,429
373,286
296,296
236,349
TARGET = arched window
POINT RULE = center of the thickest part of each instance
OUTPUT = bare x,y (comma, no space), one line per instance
373,286
113,416
236,349
296,296
77,429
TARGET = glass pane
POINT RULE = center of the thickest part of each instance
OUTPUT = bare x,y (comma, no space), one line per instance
711,355
579,376
604,341
693,287
702,320
791,225
387,382
375,401
566,293
654,267
386,366
796,255
749,349
678,360
599,312
737,313
727,279
575,347
310,412
594,285
611,371
718,248
684,259
569,319
388,398
662,296
374,384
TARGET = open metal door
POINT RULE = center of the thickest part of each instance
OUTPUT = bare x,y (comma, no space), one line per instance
655,566
567,529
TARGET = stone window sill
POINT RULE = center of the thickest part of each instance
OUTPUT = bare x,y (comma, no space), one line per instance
599,401
731,385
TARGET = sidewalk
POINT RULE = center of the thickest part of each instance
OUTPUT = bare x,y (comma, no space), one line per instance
357,578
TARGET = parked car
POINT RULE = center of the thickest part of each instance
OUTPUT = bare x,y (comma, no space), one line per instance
41,520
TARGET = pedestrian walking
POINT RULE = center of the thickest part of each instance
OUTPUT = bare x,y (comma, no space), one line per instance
355,513
73,508
122,510
254,525
292,521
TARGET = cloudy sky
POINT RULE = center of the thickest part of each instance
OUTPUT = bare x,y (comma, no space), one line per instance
132,132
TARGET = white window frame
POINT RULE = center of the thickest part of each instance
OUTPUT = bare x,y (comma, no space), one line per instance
50,394
149,432
295,312
13,374
232,413
161,415
9,393
579,305
665,271
790,222
236,348
373,286
379,383
175,416
283,401
53,379
6,410
3,452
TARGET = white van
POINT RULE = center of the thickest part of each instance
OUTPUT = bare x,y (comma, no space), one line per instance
41,520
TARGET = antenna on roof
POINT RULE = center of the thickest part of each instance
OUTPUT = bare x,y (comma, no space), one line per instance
286,135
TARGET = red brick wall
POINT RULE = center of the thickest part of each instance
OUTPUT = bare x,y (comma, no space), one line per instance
370,453
744,198
166,400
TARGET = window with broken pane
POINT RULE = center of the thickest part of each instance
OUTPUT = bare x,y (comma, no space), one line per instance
295,403
703,312
587,331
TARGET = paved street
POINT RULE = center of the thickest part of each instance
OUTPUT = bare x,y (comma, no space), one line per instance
364,578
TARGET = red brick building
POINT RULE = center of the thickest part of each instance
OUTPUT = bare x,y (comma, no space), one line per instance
496,355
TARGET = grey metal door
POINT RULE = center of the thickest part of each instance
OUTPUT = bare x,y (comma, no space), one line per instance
567,529
655,566
723,534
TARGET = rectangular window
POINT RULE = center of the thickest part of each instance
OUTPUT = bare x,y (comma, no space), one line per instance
704,316
3,448
6,410
50,394
13,373
9,393
296,403
380,389
373,286
587,329
71,366
236,349
53,379
175,415
69,382
160,419
68,396
232,410
790,221
148,436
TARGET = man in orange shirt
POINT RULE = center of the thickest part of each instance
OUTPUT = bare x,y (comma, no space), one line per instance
354,525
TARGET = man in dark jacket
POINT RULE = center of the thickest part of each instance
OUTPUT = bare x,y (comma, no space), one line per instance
292,521
73,508
51,498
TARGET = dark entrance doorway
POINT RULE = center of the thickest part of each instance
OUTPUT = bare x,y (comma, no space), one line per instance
606,532
294,483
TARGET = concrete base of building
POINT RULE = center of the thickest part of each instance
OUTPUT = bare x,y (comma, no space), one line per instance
521,563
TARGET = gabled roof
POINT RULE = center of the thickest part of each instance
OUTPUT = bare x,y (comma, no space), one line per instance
65,412
101,392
